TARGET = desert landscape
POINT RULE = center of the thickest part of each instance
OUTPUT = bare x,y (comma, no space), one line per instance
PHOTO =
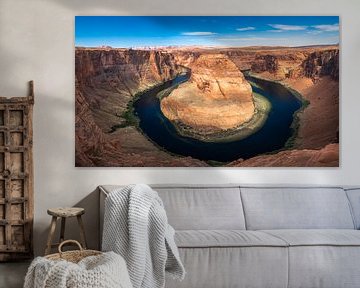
272,106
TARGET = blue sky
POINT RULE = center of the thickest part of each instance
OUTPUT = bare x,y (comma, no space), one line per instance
138,31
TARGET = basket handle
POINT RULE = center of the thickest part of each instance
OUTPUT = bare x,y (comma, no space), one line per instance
69,241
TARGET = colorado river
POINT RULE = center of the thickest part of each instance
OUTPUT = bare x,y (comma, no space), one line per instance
272,136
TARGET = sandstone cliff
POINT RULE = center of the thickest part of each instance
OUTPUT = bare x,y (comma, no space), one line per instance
106,80
297,63
217,96
319,122
322,63
109,79
265,63
325,157
314,72
130,69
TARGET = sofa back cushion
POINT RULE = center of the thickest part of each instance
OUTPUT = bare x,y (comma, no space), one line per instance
296,208
354,198
203,208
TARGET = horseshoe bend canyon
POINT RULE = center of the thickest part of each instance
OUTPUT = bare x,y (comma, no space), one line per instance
215,99
131,102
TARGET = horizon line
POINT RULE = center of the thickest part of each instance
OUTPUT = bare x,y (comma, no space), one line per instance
203,46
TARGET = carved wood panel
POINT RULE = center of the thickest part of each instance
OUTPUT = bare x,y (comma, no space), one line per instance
16,177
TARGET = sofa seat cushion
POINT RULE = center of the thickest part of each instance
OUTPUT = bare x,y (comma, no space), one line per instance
233,267
225,238
317,237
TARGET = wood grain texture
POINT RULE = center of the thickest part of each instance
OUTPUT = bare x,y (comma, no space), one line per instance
16,177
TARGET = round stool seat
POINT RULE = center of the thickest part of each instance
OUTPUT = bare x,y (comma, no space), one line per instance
66,211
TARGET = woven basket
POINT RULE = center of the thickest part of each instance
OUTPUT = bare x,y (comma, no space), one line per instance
72,256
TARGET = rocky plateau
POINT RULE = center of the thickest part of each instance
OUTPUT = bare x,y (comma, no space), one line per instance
217,97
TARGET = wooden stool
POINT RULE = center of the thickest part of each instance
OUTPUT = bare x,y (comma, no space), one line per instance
64,213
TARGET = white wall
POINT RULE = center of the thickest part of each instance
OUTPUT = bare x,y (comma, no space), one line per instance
37,42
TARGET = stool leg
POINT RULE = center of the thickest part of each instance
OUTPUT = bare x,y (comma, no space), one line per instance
62,230
82,232
51,235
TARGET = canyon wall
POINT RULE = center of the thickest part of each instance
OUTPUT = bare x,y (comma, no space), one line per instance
322,63
107,80
324,157
314,73
317,79
279,63
265,63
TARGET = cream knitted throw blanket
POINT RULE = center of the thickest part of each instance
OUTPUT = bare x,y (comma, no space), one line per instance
136,227
103,271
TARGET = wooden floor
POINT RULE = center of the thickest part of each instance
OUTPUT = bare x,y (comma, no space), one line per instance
12,274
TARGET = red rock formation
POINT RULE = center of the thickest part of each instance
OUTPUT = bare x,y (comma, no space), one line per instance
265,63
279,63
319,122
325,157
106,80
127,68
109,78
314,72
217,97
322,63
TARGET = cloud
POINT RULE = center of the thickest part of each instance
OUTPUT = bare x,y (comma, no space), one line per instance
198,33
246,38
288,27
245,28
327,28
276,31
314,32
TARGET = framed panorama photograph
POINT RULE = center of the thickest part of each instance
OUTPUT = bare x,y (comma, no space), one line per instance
203,91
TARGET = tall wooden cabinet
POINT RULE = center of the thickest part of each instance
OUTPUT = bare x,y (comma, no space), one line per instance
16,177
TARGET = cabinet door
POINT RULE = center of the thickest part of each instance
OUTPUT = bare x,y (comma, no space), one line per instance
16,204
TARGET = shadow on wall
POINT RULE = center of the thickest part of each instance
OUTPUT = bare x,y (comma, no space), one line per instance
12,64
40,47
91,222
